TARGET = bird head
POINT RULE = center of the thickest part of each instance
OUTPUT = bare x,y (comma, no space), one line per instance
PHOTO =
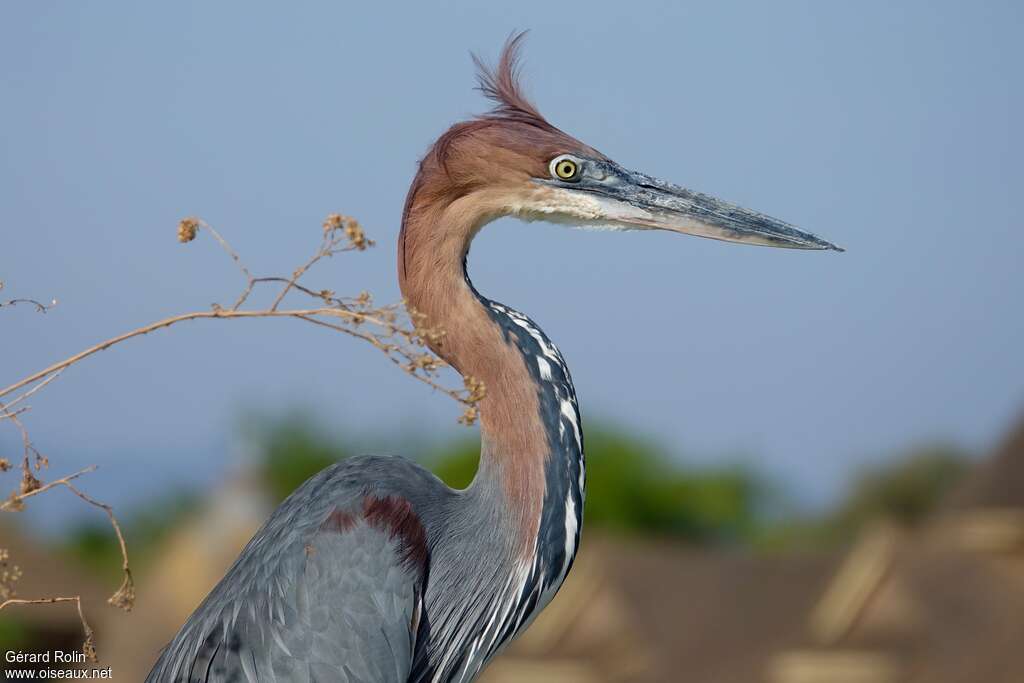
512,161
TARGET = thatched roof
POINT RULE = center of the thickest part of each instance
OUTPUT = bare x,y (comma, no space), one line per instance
942,605
45,574
659,611
998,482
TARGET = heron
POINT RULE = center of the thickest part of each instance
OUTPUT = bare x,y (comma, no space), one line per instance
374,570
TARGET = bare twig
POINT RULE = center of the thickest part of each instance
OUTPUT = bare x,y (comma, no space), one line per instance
29,482
403,340
39,306
227,247
31,391
398,342
146,329
89,645
124,596
16,501
307,314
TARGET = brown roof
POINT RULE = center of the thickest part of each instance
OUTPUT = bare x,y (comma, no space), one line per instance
45,574
675,612
945,616
998,482
944,605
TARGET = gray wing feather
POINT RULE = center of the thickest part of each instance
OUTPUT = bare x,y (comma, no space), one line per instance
308,600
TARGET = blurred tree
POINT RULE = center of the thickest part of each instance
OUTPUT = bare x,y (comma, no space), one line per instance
906,489
633,487
145,528
292,449
14,634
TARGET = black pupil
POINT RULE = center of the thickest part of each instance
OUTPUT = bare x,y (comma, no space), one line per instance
566,168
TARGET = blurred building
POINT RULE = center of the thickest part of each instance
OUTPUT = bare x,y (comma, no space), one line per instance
941,604
45,627
194,558
653,612
944,605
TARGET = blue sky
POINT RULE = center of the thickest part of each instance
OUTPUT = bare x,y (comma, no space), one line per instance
890,128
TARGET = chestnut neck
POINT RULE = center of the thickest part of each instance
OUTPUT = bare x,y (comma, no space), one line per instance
433,247
527,496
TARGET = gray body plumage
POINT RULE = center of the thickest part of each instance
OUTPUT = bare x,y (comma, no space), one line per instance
308,600
333,588
375,571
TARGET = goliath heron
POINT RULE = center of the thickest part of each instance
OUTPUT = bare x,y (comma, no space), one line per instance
375,570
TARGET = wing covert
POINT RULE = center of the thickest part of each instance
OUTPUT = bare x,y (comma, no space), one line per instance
330,589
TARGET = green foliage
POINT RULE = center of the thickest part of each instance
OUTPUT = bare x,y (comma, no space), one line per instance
456,463
632,487
14,635
94,545
905,490
292,450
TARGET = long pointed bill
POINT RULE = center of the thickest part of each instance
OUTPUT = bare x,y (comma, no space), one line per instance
670,207
628,199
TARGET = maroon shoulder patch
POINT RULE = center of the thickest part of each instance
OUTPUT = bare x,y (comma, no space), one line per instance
392,515
339,521
396,516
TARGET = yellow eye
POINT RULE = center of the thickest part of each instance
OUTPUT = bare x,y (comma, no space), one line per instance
566,169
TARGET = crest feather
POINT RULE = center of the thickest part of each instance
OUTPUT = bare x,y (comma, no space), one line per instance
501,85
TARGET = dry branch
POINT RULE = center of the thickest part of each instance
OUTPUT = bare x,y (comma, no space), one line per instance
402,341
402,338
38,305
88,645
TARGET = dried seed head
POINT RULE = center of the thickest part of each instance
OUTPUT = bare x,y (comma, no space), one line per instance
89,646
356,237
9,574
124,598
427,362
28,482
187,229
332,222
475,389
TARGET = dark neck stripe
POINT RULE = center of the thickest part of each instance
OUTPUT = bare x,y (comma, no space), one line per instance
561,516
462,642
